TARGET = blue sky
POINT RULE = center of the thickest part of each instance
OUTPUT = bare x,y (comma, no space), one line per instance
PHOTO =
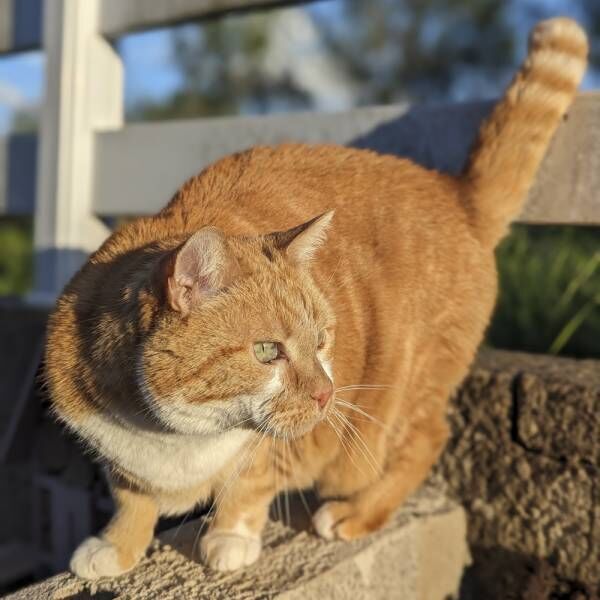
21,84
149,68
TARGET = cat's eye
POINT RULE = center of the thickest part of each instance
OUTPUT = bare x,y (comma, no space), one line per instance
266,352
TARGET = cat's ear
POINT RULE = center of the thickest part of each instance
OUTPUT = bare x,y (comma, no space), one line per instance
302,242
198,268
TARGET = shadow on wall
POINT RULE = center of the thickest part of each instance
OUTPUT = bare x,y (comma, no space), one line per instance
436,137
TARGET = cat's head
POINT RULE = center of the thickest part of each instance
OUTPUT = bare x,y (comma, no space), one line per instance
246,338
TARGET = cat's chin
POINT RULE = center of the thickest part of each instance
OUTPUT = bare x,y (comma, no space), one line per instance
296,431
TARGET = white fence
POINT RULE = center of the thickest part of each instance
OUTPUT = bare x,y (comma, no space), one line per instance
85,164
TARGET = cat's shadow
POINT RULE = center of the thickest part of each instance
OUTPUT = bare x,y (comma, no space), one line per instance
295,510
436,136
288,517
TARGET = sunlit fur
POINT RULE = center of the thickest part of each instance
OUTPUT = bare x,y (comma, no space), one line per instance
201,373
150,350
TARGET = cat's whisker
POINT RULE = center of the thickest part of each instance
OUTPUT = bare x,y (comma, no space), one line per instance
264,434
343,442
363,406
357,438
145,410
182,523
361,386
238,424
276,462
278,495
357,419
371,418
286,482
377,468
298,487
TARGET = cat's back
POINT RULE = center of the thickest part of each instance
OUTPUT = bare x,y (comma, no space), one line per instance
270,188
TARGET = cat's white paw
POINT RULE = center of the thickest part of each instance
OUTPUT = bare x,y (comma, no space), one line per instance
323,521
96,558
228,550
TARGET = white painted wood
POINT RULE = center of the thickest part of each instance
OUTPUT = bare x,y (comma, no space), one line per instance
140,166
84,91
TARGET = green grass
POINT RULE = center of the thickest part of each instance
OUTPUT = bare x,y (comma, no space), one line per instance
549,299
16,257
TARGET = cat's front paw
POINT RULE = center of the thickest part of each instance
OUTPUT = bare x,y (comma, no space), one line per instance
342,520
227,550
97,558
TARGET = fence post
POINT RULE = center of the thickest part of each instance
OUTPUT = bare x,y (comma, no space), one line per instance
84,94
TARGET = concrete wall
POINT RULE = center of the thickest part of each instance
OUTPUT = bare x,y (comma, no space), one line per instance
524,461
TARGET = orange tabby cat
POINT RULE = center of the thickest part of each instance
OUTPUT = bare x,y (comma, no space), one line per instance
196,351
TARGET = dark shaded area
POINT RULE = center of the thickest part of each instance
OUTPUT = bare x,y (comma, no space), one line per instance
27,24
435,137
20,171
499,574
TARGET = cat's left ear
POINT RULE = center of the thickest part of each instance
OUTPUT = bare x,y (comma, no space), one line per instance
198,269
301,243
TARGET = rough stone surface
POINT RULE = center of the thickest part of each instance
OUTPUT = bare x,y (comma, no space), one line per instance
420,556
523,459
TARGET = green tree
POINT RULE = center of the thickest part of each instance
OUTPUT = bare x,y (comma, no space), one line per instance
220,64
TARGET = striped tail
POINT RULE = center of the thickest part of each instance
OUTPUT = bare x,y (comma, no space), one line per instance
514,139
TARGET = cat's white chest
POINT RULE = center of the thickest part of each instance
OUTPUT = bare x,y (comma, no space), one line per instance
168,460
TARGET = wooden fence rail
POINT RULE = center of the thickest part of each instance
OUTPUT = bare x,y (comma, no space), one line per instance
140,166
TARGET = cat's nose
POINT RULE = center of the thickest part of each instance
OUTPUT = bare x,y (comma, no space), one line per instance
322,396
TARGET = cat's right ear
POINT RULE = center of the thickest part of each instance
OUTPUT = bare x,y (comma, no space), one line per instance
197,269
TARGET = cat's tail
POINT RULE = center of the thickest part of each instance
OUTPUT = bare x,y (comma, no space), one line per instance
514,138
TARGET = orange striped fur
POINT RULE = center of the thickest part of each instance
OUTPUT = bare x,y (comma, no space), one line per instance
152,355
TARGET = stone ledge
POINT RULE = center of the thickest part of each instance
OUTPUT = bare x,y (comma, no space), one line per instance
524,460
419,556
557,411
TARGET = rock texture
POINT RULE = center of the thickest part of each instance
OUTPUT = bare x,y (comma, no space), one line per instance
420,556
524,460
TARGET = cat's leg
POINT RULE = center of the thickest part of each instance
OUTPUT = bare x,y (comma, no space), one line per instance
242,503
406,467
125,539
242,499
233,540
